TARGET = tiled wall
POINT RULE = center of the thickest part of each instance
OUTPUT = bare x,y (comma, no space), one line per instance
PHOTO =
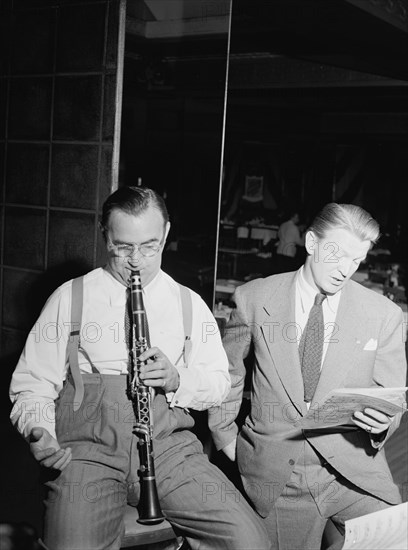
58,82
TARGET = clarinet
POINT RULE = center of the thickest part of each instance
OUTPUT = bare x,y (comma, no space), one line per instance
141,395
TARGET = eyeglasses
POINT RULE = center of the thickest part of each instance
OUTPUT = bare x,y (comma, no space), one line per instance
147,250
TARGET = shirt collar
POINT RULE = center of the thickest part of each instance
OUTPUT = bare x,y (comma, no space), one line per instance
153,286
116,291
307,294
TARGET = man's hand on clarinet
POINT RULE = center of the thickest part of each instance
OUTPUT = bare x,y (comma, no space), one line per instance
158,372
47,450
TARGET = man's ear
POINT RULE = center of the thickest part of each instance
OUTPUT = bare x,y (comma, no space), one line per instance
311,242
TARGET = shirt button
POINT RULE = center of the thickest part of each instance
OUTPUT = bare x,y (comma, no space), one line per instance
291,462
176,401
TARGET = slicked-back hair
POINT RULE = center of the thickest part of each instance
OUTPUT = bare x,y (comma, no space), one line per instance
346,216
133,201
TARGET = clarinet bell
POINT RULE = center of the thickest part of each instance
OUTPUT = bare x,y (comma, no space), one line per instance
149,505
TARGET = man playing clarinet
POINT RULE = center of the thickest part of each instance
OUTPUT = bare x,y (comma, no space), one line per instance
73,405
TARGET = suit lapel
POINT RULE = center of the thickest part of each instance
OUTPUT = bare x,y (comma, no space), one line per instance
340,357
279,331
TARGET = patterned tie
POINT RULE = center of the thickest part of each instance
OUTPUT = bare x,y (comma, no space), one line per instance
311,348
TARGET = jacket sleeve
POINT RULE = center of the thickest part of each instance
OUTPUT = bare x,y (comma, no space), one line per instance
237,342
390,369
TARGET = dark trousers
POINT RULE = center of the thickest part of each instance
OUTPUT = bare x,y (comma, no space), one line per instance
86,501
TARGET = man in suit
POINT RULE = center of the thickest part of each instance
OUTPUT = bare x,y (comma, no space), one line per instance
297,479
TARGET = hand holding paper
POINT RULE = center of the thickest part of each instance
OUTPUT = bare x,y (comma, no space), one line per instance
340,406
372,421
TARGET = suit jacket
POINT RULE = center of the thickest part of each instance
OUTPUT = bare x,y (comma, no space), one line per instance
271,440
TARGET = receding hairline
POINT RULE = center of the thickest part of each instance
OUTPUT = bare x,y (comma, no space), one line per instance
137,212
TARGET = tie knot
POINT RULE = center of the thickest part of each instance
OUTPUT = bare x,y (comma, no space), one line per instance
319,299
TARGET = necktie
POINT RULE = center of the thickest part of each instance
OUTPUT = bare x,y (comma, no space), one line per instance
311,348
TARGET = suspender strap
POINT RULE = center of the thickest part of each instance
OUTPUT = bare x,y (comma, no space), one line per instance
187,310
74,339
74,336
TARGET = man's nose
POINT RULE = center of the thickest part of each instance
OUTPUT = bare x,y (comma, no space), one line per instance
344,266
135,257
135,252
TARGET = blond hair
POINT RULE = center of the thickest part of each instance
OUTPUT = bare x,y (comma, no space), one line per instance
346,216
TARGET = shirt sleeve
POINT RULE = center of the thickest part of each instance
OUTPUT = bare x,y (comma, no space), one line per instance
41,369
204,380
237,340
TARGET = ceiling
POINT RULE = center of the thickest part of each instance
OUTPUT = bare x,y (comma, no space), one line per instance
280,45
365,35
335,32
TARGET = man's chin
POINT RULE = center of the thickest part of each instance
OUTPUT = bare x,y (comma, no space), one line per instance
333,288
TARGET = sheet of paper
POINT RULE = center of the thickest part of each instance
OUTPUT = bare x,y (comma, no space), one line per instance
339,406
383,530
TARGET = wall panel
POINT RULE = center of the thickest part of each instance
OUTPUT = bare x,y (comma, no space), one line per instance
58,109
57,116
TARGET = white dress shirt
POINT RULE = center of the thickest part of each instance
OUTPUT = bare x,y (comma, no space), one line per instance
42,368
